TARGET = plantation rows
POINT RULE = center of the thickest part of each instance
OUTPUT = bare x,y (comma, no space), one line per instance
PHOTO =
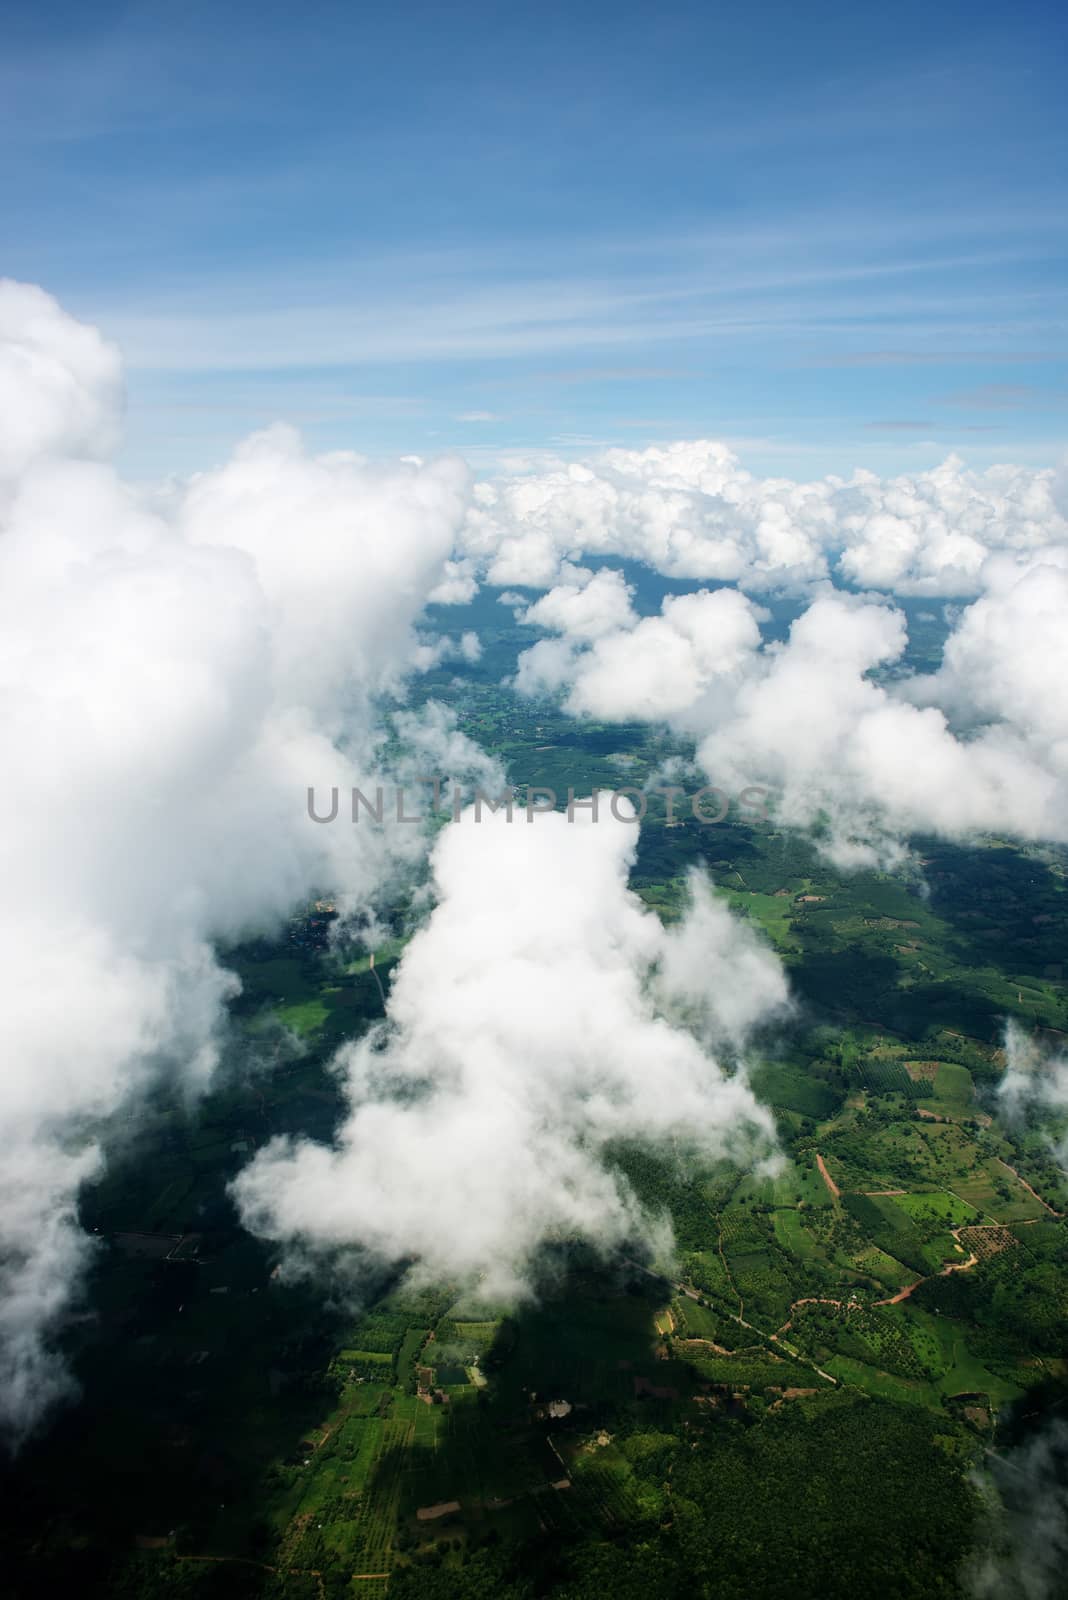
377,1517
599,1500
890,1077
866,1334
741,1231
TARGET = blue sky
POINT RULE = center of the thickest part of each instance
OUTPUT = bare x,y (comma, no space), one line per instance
834,234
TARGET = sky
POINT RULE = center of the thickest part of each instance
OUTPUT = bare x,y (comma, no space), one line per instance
832,235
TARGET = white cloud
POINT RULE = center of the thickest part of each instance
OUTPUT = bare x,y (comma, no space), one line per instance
811,721
690,510
60,382
522,1038
619,666
585,606
668,666
171,681
1009,650
426,655
980,746
340,545
457,586
716,975
932,534
1035,1078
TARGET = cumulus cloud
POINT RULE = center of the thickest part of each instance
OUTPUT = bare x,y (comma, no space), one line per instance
810,719
690,510
585,605
659,667
457,585
60,382
1009,650
980,746
346,552
171,681
529,1025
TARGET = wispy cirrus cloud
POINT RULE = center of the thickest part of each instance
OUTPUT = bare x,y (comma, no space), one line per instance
1005,397
937,358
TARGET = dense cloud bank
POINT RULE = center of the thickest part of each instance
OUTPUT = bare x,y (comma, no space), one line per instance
540,1014
690,510
171,680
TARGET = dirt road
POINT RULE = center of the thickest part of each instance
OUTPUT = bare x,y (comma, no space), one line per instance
950,1266
1029,1189
692,1294
828,1180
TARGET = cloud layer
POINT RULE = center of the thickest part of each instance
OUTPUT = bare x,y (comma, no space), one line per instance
176,669
690,510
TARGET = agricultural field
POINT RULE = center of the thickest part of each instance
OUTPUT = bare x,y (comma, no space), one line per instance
936,1205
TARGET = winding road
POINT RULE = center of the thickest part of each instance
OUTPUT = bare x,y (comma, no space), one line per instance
692,1294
